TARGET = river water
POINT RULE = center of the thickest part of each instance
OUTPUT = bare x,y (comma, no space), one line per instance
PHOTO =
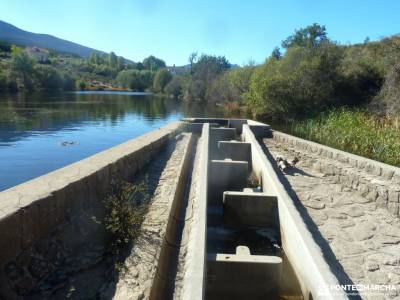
40,133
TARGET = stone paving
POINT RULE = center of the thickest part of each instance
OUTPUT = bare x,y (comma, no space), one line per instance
363,237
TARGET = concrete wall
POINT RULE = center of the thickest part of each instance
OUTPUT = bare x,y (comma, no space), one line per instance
302,251
194,281
377,181
33,209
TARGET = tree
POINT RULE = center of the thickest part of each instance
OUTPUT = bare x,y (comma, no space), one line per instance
192,60
120,63
276,53
311,36
175,86
161,79
303,82
23,66
48,77
204,72
113,60
153,63
135,80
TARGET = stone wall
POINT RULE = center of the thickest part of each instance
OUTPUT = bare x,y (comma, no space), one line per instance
33,209
376,181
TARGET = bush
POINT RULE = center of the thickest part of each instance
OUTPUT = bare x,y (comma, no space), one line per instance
68,82
125,209
48,77
135,80
81,85
175,87
161,79
231,85
390,93
302,82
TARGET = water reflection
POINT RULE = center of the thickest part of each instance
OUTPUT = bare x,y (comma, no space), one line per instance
34,127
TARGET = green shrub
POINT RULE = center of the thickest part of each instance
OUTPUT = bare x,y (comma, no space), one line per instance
161,79
176,86
135,80
301,83
48,77
125,209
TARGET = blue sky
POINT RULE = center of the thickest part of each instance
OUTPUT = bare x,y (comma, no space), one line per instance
242,30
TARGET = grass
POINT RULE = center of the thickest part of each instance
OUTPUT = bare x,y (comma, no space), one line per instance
354,131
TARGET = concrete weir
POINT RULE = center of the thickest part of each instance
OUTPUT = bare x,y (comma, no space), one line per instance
250,242
220,225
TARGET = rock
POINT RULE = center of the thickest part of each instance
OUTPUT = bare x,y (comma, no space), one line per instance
393,208
372,195
318,217
394,196
353,270
378,277
353,210
346,224
337,215
362,232
372,266
314,204
381,201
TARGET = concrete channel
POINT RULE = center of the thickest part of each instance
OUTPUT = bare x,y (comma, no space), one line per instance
227,229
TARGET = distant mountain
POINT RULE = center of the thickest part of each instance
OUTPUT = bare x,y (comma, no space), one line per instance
14,35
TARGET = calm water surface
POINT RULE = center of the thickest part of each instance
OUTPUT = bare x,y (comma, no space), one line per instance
43,132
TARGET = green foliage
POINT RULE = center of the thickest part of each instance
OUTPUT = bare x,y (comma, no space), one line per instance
276,53
48,77
354,131
3,81
176,86
22,65
81,85
301,83
310,37
231,85
113,60
204,72
135,80
161,79
153,63
125,209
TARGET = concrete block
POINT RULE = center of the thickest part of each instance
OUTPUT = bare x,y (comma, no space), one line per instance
237,124
219,134
242,275
243,209
235,150
198,127
225,175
